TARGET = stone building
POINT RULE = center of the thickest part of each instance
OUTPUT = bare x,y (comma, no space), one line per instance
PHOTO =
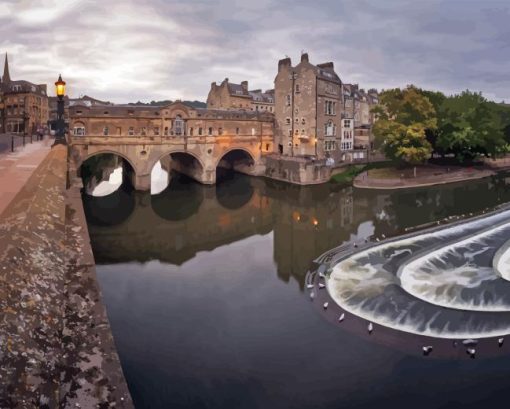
232,96
82,101
357,107
308,108
25,104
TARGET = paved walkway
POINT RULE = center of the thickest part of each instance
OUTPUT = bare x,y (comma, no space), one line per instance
364,180
17,167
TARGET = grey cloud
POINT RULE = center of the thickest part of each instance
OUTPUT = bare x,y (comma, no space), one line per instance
131,50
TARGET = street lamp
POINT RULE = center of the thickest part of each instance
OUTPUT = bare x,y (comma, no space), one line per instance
60,87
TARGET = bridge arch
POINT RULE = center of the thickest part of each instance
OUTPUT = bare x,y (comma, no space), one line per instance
93,175
184,162
239,159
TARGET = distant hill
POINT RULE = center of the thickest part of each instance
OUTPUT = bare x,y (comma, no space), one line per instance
193,104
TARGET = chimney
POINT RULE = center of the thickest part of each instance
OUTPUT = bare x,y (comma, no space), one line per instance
284,63
326,65
304,57
244,85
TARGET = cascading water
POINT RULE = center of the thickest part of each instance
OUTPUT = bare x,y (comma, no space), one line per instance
446,283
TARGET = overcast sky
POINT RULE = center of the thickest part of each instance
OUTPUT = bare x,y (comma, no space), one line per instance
126,50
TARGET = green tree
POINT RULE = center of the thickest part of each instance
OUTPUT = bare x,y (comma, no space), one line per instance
404,117
470,126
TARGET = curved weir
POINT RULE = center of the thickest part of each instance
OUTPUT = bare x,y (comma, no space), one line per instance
448,282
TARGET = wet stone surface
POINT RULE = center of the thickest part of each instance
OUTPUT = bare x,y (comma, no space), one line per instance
56,347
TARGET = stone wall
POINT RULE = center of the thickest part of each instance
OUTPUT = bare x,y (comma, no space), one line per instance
296,170
56,348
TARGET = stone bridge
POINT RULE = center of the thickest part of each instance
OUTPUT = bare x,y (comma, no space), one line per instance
197,157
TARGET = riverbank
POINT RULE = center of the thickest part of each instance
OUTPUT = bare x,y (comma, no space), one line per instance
56,344
421,176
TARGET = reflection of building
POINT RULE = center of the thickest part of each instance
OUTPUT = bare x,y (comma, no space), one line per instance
25,104
228,95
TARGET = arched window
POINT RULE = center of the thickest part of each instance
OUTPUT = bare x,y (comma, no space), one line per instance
166,130
178,126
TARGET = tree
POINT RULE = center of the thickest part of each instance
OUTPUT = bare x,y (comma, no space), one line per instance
404,117
470,126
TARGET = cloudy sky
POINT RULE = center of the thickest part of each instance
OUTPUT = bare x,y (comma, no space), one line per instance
126,50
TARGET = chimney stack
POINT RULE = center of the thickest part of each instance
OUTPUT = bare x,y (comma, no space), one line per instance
286,62
304,57
244,85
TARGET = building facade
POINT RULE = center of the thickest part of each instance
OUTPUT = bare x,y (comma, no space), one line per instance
25,105
308,108
174,120
231,96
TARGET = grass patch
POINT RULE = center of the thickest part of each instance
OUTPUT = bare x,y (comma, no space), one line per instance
352,171
348,175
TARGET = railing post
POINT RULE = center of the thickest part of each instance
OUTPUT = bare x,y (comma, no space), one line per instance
12,143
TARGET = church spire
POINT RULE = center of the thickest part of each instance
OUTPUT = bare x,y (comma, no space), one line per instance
6,78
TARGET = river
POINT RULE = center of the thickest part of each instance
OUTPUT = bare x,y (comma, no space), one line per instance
208,293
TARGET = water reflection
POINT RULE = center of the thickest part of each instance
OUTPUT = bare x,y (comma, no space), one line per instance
188,217
215,302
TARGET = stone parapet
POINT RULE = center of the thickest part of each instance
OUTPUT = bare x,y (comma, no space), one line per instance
56,348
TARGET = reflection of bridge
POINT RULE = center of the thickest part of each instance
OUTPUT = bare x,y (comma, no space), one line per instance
156,227
196,154
188,218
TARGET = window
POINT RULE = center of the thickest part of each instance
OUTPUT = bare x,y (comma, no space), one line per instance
156,131
267,146
288,100
131,131
200,131
220,131
347,123
329,145
105,131
237,131
210,131
190,131
297,88
329,128
287,120
330,108
302,131
79,131
252,131
303,121
178,125
165,132
296,120
143,131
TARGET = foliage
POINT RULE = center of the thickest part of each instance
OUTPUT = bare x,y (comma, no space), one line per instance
404,116
414,123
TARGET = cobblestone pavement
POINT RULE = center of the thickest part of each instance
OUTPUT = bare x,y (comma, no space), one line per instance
17,167
56,348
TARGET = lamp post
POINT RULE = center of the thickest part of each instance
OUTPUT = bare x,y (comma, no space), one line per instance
60,87
25,125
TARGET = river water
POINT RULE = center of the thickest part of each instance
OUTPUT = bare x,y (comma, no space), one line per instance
215,302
